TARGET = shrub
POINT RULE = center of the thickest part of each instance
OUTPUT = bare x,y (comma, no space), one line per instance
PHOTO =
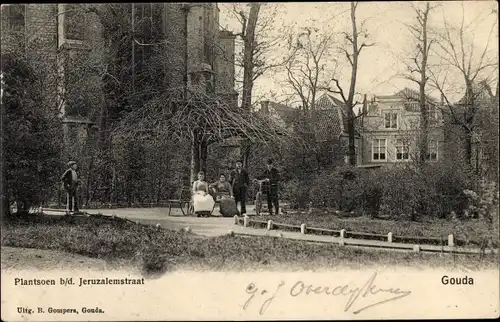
400,192
338,188
31,137
296,192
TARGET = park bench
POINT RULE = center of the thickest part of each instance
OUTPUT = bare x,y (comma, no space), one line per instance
184,198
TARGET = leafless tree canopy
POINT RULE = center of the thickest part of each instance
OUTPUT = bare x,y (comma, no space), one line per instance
177,119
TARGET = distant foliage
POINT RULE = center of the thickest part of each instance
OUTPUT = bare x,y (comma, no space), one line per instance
31,137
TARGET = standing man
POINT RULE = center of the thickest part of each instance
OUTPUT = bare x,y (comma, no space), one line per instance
239,182
272,178
70,183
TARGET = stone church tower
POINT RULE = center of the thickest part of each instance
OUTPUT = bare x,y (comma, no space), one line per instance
200,55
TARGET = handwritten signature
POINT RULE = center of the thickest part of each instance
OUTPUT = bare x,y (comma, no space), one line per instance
300,288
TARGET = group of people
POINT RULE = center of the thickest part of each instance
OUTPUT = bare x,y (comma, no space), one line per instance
237,187
223,190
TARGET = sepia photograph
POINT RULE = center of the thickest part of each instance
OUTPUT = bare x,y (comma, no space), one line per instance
249,161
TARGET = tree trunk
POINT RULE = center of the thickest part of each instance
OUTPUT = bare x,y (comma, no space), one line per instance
352,88
424,111
424,123
249,46
195,155
203,155
468,148
5,208
248,35
350,131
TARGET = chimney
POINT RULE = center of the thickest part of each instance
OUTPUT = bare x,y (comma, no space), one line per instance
264,107
442,100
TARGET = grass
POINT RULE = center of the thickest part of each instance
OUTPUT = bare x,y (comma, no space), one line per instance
156,251
467,232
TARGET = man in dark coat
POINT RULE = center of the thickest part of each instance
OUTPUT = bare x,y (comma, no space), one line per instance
272,178
239,182
70,183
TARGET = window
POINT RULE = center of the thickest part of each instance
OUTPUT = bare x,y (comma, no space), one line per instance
391,120
432,150
74,21
15,16
379,149
402,150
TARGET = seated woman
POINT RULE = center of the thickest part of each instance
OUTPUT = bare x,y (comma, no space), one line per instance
224,195
203,203
222,188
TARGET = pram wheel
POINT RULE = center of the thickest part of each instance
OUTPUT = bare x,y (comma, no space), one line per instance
203,214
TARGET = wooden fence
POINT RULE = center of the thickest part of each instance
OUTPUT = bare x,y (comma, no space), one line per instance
389,240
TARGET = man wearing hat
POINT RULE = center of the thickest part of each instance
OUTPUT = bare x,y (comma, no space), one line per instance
70,183
239,182
271,177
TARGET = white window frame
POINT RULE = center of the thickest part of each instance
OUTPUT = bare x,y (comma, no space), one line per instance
379,146
61,17
386,113
402,144
429,145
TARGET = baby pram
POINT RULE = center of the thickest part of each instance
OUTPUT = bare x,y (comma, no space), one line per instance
203,204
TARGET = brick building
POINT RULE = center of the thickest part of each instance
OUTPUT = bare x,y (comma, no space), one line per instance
62,36
390,129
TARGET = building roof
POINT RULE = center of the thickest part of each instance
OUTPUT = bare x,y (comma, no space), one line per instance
481,92
407,93
411,96
328,118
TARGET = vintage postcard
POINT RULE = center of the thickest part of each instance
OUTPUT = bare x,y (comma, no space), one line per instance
249,161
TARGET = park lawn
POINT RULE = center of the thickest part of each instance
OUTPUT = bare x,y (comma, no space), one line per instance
156,251
471,231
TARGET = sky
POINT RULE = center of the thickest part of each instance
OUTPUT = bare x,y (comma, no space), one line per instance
379,64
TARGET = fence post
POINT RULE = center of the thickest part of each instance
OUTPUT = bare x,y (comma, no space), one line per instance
236,220
303,228
451,241
342,233
269,224
416,248
389,237
245,221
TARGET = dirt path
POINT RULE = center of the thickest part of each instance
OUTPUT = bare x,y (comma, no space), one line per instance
14,258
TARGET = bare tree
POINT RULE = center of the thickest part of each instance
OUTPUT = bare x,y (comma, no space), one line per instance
203,118
258,41
307,70
457,52
356,41
307,66
417,70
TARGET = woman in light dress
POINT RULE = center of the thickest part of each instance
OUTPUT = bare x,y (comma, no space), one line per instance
202,201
